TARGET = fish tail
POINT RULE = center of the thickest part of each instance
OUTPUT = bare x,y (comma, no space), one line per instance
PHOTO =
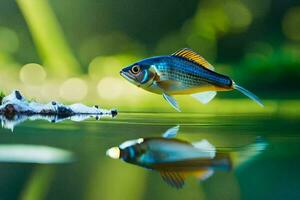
249,152
248,94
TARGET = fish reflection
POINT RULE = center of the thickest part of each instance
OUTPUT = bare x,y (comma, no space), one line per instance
177,159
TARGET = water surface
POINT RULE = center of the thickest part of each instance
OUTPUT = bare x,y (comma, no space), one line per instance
93,175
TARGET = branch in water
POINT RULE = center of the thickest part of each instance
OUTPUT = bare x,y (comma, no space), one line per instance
16,103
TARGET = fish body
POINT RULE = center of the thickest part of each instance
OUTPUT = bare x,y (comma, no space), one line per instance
182,73
177,76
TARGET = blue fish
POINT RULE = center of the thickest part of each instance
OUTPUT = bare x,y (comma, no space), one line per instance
183,73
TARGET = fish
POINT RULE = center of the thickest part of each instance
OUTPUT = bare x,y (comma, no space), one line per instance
185,72
176,159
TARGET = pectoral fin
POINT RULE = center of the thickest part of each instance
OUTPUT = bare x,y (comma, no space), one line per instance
171,101
204,97
202,175
173,179
204,145
171,132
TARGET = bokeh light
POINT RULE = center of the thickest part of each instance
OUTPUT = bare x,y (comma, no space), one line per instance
73,89
32,74
32,92
101,66
211,21
110,88
9,41
291,24
50,91
238,14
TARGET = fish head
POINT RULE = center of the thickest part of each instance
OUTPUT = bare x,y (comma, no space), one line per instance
140,74
114,152
129,151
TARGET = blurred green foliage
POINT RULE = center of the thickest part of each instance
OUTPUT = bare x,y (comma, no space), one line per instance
2,95
255,42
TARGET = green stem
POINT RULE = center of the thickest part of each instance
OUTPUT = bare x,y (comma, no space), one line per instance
49,38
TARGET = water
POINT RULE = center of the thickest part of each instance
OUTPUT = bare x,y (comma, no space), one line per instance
93,175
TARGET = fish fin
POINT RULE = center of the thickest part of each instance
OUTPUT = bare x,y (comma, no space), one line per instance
173,179
171,132
248,94
206,147
202,175
193,56
204,97
172,101
166,85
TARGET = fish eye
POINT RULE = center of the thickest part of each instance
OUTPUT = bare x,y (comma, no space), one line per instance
135,69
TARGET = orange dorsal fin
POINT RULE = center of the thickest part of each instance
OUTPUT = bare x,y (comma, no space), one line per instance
193,56
174,179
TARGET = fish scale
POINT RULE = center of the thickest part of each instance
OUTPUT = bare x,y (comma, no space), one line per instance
189,73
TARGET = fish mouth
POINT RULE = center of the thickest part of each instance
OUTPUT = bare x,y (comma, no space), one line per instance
113,153
129,77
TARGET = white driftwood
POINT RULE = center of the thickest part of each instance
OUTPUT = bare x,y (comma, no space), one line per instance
15,109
